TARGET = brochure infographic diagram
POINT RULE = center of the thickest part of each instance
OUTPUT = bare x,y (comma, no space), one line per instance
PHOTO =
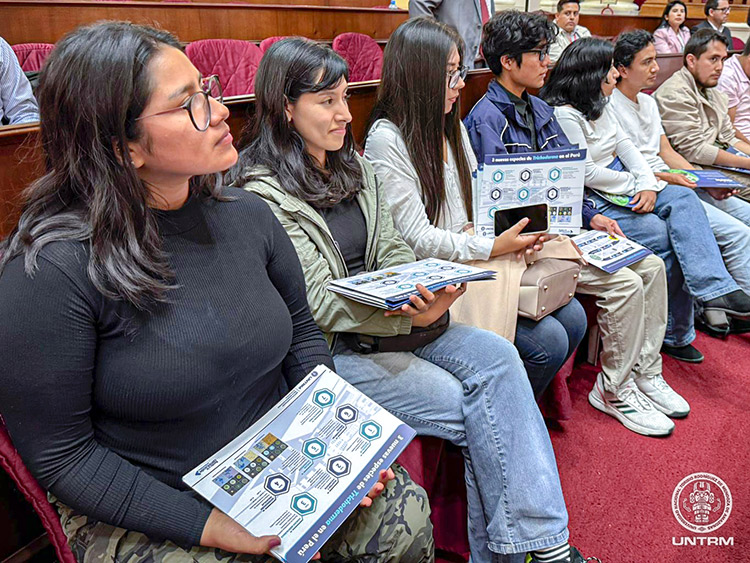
390,288
609,252
304,467
514,180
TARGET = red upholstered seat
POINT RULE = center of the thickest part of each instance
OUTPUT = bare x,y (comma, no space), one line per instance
737,44
32,55
268,41
233,60
362,53
37,497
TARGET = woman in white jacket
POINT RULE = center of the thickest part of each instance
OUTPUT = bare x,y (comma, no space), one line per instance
668,219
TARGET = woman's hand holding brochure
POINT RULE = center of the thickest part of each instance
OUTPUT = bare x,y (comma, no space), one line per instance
431,306
223,532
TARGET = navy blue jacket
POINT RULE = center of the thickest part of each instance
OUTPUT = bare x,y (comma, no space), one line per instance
495,127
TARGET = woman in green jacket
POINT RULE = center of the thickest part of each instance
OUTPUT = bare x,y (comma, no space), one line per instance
466,385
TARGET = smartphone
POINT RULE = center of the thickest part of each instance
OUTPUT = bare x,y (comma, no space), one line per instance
538,219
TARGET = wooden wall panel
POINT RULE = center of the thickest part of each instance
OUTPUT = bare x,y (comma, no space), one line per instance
20,159
24,21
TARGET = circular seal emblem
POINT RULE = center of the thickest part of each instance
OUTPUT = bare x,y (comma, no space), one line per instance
701,503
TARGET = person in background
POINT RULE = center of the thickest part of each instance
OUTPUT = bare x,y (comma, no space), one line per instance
735,83
135,356
717,13
672,34
695,113
632,302
467,16
17,102
666,218
568,30
460,383
638,115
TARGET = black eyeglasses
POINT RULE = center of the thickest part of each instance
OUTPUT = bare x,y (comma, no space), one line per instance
198,105
542,53
455,75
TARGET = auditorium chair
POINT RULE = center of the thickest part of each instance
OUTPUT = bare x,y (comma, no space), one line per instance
737,44
233,60
33,492
268,41
362,53
32,55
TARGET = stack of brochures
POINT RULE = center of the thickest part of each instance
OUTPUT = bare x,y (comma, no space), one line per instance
302,469
391,288
609,252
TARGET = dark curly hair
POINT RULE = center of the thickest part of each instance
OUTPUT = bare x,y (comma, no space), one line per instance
576,79
701,40
629,44
511,33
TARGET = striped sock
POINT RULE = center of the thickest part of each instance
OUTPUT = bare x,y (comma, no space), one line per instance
558,554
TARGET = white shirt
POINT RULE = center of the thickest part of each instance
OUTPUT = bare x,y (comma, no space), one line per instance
643,123
387,152
604,139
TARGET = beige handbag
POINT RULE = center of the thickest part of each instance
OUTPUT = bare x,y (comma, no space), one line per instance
547,285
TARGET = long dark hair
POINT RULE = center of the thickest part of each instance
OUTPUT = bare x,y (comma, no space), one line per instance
667,9
576,79
412,96
290,68
92,88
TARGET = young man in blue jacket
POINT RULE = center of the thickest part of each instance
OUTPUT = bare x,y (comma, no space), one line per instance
632,302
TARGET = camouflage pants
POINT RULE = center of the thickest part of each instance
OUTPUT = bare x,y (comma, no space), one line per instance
395,528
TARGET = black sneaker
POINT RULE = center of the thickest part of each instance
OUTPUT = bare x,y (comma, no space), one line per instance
739,326
714,323
735,304
689,353
574,557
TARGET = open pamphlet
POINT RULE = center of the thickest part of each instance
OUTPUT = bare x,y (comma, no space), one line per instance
304,467
709,179
506,181
391,288
609,252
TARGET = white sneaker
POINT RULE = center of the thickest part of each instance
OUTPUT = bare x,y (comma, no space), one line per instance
666,399
631,407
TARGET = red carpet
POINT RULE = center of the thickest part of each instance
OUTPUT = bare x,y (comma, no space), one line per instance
618,485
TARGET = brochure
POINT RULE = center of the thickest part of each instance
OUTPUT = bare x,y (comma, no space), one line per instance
733,150
609,252
304,467
391,288
709,178
505,181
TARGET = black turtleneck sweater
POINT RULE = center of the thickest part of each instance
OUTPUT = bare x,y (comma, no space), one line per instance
109,407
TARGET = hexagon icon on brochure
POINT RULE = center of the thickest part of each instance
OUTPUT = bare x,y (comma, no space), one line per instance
304,504
555,174
370,430
525,175
338,466
314,448
277,484
347,413
323,398
498,176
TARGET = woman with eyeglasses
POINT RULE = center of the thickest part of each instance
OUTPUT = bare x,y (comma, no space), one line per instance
447,380
421,152
153,315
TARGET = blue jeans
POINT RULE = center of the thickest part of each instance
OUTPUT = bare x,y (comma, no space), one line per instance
730,222
679,233
546,345
469,387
